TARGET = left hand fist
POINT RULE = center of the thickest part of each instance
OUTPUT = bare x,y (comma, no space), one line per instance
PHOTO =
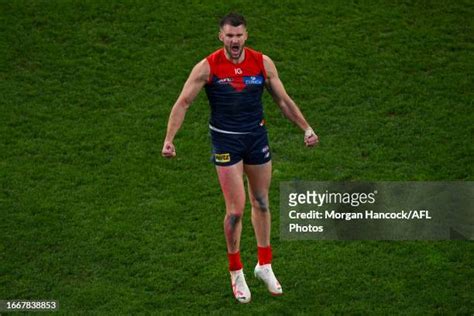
310,138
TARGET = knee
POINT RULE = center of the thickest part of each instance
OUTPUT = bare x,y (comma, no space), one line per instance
260,202
232,219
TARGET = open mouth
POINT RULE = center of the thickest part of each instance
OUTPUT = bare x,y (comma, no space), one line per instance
235,49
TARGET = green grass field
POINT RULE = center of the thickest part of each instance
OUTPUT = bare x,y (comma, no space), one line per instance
93,217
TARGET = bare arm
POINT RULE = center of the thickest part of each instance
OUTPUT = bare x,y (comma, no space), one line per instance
287,105
196,80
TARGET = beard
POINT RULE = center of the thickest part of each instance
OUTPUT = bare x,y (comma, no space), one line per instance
234,51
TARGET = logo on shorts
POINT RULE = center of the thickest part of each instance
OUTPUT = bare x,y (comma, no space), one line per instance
222,157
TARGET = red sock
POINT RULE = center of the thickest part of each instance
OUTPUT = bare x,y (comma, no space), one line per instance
234,261
264,255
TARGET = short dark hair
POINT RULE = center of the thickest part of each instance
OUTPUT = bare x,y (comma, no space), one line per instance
233,19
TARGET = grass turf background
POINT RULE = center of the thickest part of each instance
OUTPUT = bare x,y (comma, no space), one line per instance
93,217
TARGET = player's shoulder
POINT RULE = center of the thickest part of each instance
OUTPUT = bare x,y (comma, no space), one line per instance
269,66
202,69
266,59
254,53
215,56
258,54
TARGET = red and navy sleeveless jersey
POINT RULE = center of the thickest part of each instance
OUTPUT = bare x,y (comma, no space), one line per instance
235,91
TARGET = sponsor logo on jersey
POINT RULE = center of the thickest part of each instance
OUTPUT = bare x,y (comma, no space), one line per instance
250,80
222,157
224,81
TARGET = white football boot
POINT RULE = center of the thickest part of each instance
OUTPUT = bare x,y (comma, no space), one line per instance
265,273
239,286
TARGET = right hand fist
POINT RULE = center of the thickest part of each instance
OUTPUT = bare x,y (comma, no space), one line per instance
168,150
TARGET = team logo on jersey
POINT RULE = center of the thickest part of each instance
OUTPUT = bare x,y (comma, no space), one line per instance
222,157
238,71
251,80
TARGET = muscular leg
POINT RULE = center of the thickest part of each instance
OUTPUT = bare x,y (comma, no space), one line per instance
259,178
232,185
